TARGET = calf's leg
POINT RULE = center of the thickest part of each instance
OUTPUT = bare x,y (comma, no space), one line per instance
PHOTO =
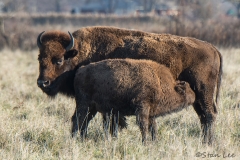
106,123
152,127
142,118
80,120
117,122
114,125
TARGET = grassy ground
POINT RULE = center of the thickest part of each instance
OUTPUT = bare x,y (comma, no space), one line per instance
32,126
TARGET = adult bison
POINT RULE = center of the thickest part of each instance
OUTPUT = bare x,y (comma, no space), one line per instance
189,59
125,87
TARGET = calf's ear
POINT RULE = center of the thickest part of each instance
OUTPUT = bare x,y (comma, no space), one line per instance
181,82
70,54
181,89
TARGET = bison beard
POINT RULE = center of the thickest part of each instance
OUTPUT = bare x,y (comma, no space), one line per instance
127,87
196,62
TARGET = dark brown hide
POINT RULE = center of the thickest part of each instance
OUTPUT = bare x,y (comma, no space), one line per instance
128,87
194,61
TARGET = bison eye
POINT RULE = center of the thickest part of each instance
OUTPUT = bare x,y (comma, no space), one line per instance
59,62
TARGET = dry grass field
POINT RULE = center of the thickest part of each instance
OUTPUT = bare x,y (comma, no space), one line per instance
32,126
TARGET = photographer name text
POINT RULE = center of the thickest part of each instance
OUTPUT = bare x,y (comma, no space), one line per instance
214,155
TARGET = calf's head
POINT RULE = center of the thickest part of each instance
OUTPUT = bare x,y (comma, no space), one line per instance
56,51
184,89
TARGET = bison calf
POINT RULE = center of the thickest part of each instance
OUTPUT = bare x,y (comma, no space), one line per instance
125,87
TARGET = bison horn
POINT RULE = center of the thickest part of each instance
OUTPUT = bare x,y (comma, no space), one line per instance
39,42
71,45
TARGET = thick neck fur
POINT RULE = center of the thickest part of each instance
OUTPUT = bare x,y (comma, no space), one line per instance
67,87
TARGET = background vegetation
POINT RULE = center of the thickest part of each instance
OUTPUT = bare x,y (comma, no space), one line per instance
20,31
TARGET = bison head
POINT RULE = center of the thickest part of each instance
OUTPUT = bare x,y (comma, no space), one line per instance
56,51
184,89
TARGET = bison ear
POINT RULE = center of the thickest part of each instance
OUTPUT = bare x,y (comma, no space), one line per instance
70,54
181,82
181,89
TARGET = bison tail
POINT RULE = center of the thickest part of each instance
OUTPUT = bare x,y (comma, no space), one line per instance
219,80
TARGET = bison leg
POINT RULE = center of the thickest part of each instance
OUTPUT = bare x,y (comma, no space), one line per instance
114,125
74,124
113,118
142,118
206,109
203,83
207,118
152,128
90,116
122,122
80,120
106,119
117,121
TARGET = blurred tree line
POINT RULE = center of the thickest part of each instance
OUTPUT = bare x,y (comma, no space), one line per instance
14,5
203,9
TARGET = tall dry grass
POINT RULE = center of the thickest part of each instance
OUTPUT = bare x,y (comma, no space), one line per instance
33,126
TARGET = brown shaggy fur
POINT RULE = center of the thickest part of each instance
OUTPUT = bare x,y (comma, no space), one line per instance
128,87
195,61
